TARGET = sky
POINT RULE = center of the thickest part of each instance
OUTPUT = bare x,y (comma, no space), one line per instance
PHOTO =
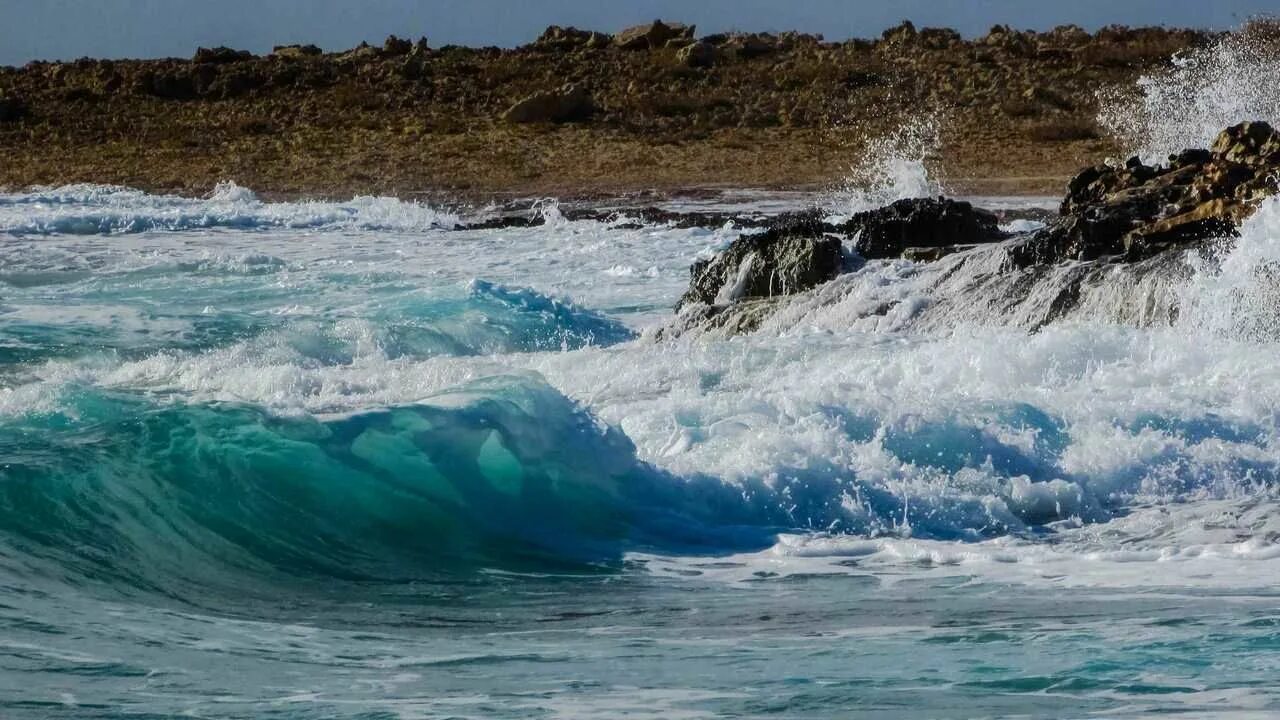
67,29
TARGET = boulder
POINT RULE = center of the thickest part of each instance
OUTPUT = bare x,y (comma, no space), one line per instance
570,38
921,223
750,45
395,47
900,34
571,103
939,38
221,55
295,52
698,54
652,35
795,254
1136,210
362,53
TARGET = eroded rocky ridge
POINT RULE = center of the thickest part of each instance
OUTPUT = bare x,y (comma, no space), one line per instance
660,105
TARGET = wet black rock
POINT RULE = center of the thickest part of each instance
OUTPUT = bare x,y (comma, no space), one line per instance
795,254
921,223
1137,210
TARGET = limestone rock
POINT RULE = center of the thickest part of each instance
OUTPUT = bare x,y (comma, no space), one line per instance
652,35
698,54
570,38
295,52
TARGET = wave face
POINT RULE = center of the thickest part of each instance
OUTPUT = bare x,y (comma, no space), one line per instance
182,498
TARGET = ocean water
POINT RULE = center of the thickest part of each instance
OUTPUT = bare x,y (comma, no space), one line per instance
317,460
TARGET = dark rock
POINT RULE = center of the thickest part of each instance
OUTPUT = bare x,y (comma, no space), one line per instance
571,103
395,47
1136,211
903,33
793,255
221,55
939,38
921,223
653,35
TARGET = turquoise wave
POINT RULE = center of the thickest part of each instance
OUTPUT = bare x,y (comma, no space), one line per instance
506,473
186,499
402,322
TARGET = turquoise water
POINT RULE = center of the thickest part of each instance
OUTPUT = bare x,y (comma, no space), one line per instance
321,460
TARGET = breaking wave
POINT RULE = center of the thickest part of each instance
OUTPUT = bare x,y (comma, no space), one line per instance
106,210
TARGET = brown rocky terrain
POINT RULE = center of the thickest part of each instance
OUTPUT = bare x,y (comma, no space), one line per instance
575,112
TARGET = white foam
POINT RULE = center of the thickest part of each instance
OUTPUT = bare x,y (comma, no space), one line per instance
891,168
105,209
942,416
1205,90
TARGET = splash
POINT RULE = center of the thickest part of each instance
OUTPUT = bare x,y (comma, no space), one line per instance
1235,79
892,168
1235,289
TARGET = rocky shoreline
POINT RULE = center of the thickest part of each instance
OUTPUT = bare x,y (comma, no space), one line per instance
1134,217
576,112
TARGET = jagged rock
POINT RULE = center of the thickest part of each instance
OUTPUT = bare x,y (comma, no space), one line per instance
294,52
1137,210
1066,36
570,38
362,52
902,33
220,55
571,103
395,47
653,35
793,255
750,45
939,38
921,223
698,54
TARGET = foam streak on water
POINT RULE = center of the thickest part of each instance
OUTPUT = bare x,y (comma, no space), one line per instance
338,460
